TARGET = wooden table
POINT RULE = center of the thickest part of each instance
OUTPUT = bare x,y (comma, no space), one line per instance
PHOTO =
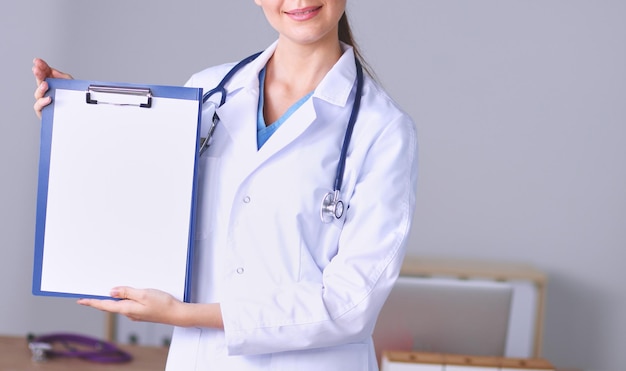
15,356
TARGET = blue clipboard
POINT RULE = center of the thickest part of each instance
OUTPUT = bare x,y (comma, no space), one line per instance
117,188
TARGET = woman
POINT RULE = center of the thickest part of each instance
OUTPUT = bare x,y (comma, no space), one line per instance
274,287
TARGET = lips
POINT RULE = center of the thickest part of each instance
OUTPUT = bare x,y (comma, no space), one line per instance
304,13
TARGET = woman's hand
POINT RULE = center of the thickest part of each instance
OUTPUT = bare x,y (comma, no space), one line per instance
42,71
146,305
149,305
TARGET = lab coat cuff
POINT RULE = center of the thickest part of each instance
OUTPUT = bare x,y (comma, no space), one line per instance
233,334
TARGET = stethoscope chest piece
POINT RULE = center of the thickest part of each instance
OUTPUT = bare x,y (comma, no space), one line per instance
332,207
39,350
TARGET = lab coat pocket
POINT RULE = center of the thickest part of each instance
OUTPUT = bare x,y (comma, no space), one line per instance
206,196
337,358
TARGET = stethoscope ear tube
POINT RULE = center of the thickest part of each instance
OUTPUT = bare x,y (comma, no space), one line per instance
220,88
205,138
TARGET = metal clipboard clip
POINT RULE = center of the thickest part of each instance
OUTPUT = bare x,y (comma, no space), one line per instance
119,96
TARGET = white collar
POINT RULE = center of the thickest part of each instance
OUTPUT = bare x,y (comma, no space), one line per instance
334,88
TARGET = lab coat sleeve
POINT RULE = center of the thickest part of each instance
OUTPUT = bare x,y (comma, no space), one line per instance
342,305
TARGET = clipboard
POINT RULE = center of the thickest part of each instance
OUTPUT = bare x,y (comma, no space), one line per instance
117,188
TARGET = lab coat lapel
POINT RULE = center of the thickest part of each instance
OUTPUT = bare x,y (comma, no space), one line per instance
334,90
238,115
295,125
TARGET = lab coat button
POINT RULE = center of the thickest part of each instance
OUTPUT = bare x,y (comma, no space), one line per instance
246,199
240,270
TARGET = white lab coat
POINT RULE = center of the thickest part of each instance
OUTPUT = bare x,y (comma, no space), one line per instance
295,293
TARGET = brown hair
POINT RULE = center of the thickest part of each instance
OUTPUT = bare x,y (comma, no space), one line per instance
345,35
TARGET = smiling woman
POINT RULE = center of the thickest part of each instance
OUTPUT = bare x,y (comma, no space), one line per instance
313,22
521,132
277,285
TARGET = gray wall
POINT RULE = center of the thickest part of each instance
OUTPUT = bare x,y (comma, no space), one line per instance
520,107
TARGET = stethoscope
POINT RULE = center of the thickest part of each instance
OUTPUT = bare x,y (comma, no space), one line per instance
75,346
332,207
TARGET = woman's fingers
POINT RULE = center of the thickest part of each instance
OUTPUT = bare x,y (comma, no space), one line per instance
41,90
42,71
137,304
40,104
103,304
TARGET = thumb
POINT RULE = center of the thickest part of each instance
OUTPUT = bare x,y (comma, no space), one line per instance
60,75
122,292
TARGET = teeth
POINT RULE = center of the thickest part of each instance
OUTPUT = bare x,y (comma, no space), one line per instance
304,12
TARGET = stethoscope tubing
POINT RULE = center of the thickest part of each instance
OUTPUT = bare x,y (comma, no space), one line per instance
221,87
331,203
74,344
341,166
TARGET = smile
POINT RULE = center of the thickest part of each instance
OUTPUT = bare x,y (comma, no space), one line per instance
303,13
